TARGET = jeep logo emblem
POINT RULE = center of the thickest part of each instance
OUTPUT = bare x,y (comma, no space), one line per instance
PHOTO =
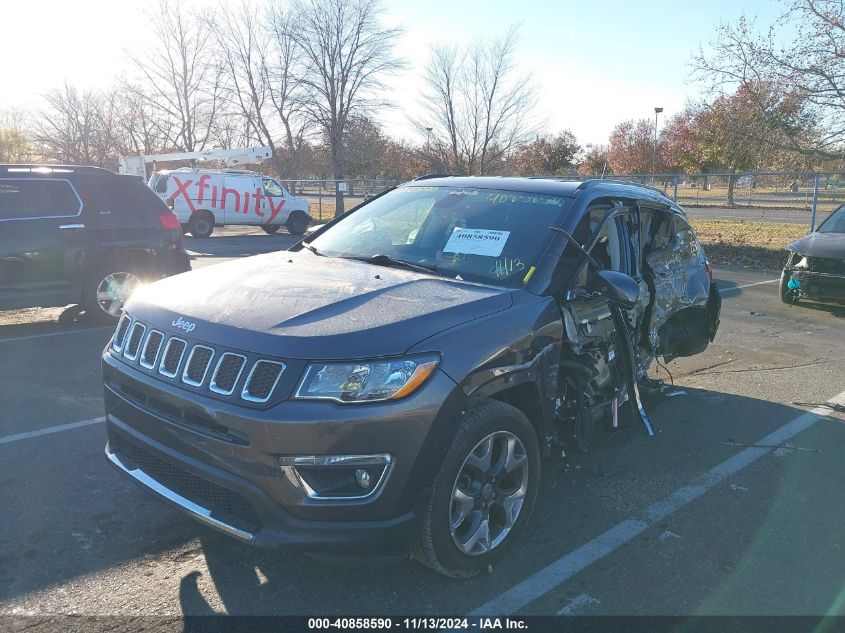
182,324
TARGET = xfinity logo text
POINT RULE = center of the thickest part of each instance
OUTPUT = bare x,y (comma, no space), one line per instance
184,325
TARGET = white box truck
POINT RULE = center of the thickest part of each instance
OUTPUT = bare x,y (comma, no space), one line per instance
205,198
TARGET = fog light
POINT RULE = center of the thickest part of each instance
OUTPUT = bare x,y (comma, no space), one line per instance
337,476
363,478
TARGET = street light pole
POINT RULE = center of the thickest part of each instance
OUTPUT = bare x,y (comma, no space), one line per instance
654,151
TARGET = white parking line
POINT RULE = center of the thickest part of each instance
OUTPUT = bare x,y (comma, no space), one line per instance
756,283
567,566
46,334
17,437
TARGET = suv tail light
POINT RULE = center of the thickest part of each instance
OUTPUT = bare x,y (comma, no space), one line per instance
168,220
709,269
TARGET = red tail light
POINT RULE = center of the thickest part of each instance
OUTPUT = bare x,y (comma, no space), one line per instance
168,220
709,271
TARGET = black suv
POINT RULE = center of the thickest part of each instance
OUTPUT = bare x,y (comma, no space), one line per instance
81,235
393,383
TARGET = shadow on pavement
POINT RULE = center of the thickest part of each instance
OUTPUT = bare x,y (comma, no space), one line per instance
78,518
829,308
239,245
582,495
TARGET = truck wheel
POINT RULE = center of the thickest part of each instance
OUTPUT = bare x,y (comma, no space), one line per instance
107,289
270,229
484,493
787,294
297,223
201,224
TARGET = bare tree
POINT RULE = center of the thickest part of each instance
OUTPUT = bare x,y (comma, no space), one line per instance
262,70
478,110
179,76
78,128
348,54
798,86
143,129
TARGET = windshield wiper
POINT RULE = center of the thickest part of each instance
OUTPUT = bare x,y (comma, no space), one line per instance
313,249
380,259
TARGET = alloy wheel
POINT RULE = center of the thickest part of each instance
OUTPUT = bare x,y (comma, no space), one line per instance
114,290
488,493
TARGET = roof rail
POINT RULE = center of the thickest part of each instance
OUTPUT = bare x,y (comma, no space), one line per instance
427,176
48,169
594,182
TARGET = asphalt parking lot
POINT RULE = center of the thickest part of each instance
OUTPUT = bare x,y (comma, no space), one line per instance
734,507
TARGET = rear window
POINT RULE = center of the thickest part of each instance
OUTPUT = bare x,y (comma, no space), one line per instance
33,198
128,195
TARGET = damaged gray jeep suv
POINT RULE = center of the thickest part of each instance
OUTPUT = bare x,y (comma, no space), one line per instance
393,382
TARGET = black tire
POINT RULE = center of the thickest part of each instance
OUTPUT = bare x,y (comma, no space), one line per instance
297,223
95,305
787,295
437,543
270,229
201,224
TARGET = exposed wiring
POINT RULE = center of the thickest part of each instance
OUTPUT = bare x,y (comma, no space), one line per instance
666,369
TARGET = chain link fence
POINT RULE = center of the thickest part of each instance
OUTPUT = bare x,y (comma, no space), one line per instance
321,193
785,197
798,198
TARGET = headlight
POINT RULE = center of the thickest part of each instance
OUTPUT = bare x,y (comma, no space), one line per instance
366,381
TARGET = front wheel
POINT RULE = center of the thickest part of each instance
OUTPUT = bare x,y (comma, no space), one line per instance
484,493
297,223
787,295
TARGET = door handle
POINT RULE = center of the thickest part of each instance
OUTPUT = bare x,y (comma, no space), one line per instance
71,227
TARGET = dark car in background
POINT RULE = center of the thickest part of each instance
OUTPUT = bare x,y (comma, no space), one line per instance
815,267
393,383
81,235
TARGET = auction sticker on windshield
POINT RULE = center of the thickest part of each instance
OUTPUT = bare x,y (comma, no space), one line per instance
476,242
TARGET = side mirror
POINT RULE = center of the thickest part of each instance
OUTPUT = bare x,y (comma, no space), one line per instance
616,287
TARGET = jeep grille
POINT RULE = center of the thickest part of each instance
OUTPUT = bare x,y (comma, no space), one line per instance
197,365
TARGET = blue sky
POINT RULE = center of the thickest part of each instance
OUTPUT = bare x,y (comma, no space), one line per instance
594,63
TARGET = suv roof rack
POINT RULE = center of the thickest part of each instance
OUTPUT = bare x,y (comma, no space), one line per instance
427,176
594,182
52,169
210,170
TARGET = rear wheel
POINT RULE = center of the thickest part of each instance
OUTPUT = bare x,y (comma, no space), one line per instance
201,224
484,493
297,223
270,229
107,290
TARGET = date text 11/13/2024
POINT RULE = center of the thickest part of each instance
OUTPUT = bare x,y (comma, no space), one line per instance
419,623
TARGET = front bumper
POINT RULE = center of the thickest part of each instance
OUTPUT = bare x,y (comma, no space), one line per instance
240,489
818,286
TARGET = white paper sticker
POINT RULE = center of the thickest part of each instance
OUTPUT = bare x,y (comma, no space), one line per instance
476,242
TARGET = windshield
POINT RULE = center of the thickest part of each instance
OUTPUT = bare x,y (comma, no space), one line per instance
835,223
484,235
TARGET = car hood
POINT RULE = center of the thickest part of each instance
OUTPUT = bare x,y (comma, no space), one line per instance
300,305
830,245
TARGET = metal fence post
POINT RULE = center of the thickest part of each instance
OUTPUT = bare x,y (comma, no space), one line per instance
320,198
675,189
815,202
